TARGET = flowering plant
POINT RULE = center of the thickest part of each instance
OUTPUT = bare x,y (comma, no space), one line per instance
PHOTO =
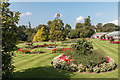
65,62
23,50
59,50
117,42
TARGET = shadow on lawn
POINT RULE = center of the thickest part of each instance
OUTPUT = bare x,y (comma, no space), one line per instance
42,72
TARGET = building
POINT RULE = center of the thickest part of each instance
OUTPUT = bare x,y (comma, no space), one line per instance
97,35
114,34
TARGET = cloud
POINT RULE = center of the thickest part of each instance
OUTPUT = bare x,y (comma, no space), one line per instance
114,22
98,14
26,14
79,19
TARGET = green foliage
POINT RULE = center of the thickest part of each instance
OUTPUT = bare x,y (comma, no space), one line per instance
41,35
109,27
99,27
21,33
85,29
86,60
30,32
67,29
83,47
73,34
57,30
9,31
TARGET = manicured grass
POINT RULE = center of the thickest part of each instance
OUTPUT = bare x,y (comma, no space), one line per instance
39,65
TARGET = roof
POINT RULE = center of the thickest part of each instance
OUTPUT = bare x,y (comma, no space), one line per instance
114,33
100,33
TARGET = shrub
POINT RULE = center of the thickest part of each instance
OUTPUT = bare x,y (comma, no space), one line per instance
82,47
93,59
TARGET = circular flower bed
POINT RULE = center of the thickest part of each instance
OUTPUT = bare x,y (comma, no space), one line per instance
82,58
64,62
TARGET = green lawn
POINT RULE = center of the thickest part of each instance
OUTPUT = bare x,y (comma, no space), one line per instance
39,65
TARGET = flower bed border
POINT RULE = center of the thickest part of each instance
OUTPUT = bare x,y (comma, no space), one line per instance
63,63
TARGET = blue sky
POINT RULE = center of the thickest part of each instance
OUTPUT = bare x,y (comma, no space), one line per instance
72,12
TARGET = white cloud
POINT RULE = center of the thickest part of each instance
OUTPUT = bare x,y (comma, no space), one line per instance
98,14
114,22
79,19
26,14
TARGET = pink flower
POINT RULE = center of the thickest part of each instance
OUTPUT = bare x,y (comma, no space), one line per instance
64,57
69,61
108,60
58,59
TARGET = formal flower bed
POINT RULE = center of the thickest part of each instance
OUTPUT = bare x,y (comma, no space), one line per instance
66,63
25,51
59,50
116,42
45,45
83,58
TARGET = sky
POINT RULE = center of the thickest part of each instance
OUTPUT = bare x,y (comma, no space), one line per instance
71,12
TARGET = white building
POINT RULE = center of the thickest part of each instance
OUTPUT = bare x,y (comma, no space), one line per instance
114,34
97,35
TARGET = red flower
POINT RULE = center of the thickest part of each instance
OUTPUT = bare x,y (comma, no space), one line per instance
108,59
63,55
19,50
53,49
65,59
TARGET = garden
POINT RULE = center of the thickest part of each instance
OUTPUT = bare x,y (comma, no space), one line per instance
55,50
65,63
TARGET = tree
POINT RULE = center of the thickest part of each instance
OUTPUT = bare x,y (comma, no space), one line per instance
29,32
67,29
21,33
56,30
41,35
73,34
9,31
49,22
87,29
29,24
99,27
57,16
42,25
109,27
78,26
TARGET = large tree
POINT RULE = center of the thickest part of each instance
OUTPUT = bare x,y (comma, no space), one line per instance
29,32
78,26
9,33
87,29
41,35
21,33
109,27
56,30
73,34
